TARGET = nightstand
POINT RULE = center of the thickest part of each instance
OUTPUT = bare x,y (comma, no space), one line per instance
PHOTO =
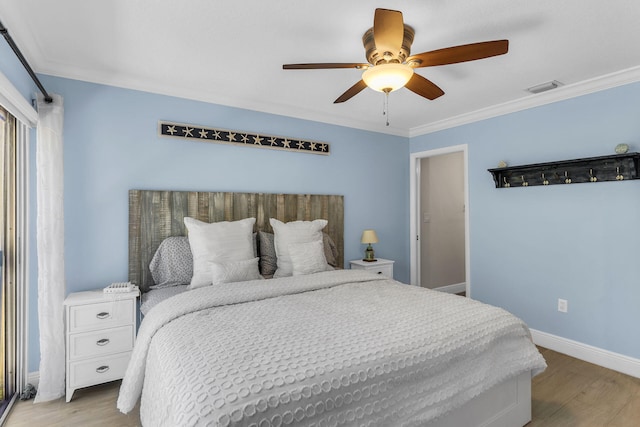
380,266
100,332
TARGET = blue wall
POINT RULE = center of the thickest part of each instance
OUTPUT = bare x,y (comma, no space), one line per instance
531,246
13,70
112,146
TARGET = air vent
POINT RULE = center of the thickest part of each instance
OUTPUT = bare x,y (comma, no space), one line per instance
545,86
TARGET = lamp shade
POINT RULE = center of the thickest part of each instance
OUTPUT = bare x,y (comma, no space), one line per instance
369,236
387,77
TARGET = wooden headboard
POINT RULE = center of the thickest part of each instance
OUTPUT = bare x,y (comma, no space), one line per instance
156,215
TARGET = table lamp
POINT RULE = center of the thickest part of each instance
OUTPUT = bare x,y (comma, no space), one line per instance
369,237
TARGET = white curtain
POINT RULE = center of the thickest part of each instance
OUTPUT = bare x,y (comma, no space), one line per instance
50,243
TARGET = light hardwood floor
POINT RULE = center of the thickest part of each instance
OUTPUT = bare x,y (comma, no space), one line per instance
569,393
576,393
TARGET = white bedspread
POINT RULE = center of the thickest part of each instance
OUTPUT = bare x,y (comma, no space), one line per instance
335,348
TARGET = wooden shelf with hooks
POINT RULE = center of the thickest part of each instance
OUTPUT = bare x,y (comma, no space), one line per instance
616,167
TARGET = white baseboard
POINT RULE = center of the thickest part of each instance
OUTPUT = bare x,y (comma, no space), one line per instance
33,378
608,359
452,289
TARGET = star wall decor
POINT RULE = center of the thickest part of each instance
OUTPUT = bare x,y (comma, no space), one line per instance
234,137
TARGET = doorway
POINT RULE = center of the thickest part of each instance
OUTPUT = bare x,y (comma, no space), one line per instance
440,220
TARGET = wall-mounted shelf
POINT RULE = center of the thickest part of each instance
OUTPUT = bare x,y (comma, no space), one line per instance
617,167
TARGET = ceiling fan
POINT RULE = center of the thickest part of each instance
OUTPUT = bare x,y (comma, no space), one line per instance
391,65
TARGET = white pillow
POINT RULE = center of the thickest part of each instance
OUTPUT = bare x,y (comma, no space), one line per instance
308,258
218,242
292,233
235,271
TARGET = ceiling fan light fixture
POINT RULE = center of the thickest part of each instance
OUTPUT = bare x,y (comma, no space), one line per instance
387,77
390,64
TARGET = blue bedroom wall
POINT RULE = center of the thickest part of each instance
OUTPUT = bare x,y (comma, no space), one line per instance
13,70
112,146
531,246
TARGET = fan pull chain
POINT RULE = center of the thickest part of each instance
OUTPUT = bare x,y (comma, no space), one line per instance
385,108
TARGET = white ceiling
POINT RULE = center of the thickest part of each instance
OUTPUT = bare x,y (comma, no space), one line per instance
231,52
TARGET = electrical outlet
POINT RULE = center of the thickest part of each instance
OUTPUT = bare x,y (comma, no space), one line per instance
563,305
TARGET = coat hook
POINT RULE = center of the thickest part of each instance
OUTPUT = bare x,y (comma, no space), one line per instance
506,183
619,176
545,181
592,178
567,180
524,183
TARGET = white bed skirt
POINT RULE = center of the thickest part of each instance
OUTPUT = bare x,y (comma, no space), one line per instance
506,405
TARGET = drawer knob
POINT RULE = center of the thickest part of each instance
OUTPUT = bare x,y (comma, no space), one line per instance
103,315
102,369
103,341
379,272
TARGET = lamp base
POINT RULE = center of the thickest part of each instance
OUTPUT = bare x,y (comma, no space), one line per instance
369,255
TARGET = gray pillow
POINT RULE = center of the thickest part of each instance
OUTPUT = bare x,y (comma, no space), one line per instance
330,251
267,250
269,261
172,264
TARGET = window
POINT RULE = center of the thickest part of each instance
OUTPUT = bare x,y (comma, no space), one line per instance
7,258
13,265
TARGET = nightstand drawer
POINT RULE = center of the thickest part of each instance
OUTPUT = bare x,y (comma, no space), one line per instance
102,315
381,266
98,370
100,343
386,270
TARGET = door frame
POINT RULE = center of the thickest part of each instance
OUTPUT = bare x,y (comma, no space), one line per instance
414,208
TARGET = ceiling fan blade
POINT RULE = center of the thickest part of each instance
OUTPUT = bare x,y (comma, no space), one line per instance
388,31
424,87
321,66
463,53
351,92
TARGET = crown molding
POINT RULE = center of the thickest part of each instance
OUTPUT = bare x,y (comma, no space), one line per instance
66,72
608,81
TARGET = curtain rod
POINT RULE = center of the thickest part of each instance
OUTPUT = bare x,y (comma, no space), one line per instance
16,50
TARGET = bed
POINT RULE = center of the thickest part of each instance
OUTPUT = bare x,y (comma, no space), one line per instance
329,347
